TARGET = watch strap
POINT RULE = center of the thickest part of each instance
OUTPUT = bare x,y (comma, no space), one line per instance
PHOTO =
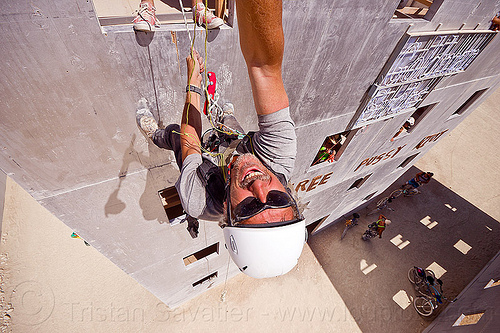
195,89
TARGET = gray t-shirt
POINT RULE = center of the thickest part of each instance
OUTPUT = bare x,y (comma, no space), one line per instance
275,144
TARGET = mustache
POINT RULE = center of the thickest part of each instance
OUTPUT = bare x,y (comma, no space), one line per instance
248,181
242,163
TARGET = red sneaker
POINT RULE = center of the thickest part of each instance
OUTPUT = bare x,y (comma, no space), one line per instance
146,19
206,18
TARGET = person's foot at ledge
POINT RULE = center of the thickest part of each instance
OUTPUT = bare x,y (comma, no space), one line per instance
206,18
228,109
146,18
145,120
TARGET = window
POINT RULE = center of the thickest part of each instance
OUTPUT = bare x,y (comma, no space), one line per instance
172,204
368,197
415,118
468,319
116,12
469,102
407,161
333,147
192,258
359,182
206,279
492,283
419,114
313,227
415,9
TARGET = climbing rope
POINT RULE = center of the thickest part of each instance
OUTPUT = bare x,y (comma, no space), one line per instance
214,112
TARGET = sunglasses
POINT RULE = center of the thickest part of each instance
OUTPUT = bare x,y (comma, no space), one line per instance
252,206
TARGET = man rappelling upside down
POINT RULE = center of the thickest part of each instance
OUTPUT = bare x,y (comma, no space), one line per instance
263,228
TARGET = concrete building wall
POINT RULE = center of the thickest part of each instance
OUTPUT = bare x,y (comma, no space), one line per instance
3,179
437,123
68,132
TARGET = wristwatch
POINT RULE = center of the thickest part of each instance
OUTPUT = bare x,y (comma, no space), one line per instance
195,89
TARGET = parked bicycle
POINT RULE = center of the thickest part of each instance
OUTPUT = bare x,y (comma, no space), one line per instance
349,224
383,203
425,284
371,232
406,190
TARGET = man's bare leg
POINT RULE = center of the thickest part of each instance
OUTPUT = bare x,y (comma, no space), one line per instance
262,45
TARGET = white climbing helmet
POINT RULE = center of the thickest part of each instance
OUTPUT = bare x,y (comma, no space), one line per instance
269,250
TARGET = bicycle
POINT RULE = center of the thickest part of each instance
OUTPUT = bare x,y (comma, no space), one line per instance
416,275
406,190
384,202
371,232
381,204
430,297
349,224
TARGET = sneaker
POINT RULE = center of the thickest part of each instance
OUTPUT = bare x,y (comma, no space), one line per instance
228,109
145,119
209,20
146,19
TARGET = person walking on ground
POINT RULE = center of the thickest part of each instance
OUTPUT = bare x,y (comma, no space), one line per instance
420,178
381,224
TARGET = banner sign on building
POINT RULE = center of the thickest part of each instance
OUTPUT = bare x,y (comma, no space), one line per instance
416,66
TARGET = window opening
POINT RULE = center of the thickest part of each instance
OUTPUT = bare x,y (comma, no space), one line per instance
168,12
420,114
206,279
171,203
311,228
468,319
359,182
416,9
203,253
469,102
415,118
407,160
492,283
333,147
368,197
408,124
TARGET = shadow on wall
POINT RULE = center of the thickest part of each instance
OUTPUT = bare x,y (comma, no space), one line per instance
185,3
115,205
436,227
144,38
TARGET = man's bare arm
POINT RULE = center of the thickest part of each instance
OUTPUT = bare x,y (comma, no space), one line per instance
191,116
262,45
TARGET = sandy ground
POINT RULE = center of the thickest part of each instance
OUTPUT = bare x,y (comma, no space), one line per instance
466,160
54,283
